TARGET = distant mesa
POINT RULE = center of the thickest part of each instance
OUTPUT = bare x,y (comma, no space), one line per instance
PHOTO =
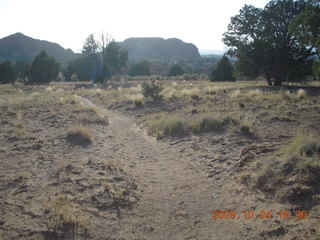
21,47
160,49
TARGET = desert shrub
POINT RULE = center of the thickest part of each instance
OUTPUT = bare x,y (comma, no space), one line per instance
208,123
74,78
173,126
302,146
64,217
138,103
175,70
60,212
60,77
301,94
179,126
286,95
152,90
79,135
246,122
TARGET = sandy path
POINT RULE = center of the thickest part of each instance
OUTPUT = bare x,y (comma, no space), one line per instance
176,198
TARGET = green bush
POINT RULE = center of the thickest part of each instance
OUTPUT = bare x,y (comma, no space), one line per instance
7,72
140,69
152,90
43,69
223,71
176,70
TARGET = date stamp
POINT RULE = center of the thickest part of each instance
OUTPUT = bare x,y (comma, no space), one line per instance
263,214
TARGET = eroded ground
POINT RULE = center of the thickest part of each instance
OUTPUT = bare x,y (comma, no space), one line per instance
135,179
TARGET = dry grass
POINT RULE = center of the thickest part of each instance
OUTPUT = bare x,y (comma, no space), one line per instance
302,94
80,135
61,212
286,94
211,89
296,176
210,123
136,98
172,126
302,147
63,215
235,93
255,93
177,126
194,93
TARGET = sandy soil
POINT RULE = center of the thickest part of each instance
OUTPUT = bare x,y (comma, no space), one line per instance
127,185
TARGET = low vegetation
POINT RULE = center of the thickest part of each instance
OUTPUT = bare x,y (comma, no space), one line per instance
64,217
295,176
165,125
152,90
80,135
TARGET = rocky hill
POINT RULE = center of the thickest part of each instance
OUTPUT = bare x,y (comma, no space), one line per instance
160,49
20,47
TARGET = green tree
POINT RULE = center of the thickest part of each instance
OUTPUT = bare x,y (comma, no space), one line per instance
115,58
316,69
91,46
7,72
23,69
175,70
306,26
263,44
223,71
101,59
43,69
80,66
90,59
140,69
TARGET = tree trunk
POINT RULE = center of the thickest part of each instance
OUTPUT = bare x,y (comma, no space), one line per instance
277,82
268,79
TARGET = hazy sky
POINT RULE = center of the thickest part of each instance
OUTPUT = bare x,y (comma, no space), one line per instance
69,22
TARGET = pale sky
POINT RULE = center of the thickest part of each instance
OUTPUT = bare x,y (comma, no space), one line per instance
69,22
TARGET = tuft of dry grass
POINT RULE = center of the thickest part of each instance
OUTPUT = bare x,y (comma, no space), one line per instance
286,94
302,94
79,135
211,89
173,126
295,176
302,146
235,93
207,123
62,215
135,98
255,93
242,124
138,103
194,93
178,126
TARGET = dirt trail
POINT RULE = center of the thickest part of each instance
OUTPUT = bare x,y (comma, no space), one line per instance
176,197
